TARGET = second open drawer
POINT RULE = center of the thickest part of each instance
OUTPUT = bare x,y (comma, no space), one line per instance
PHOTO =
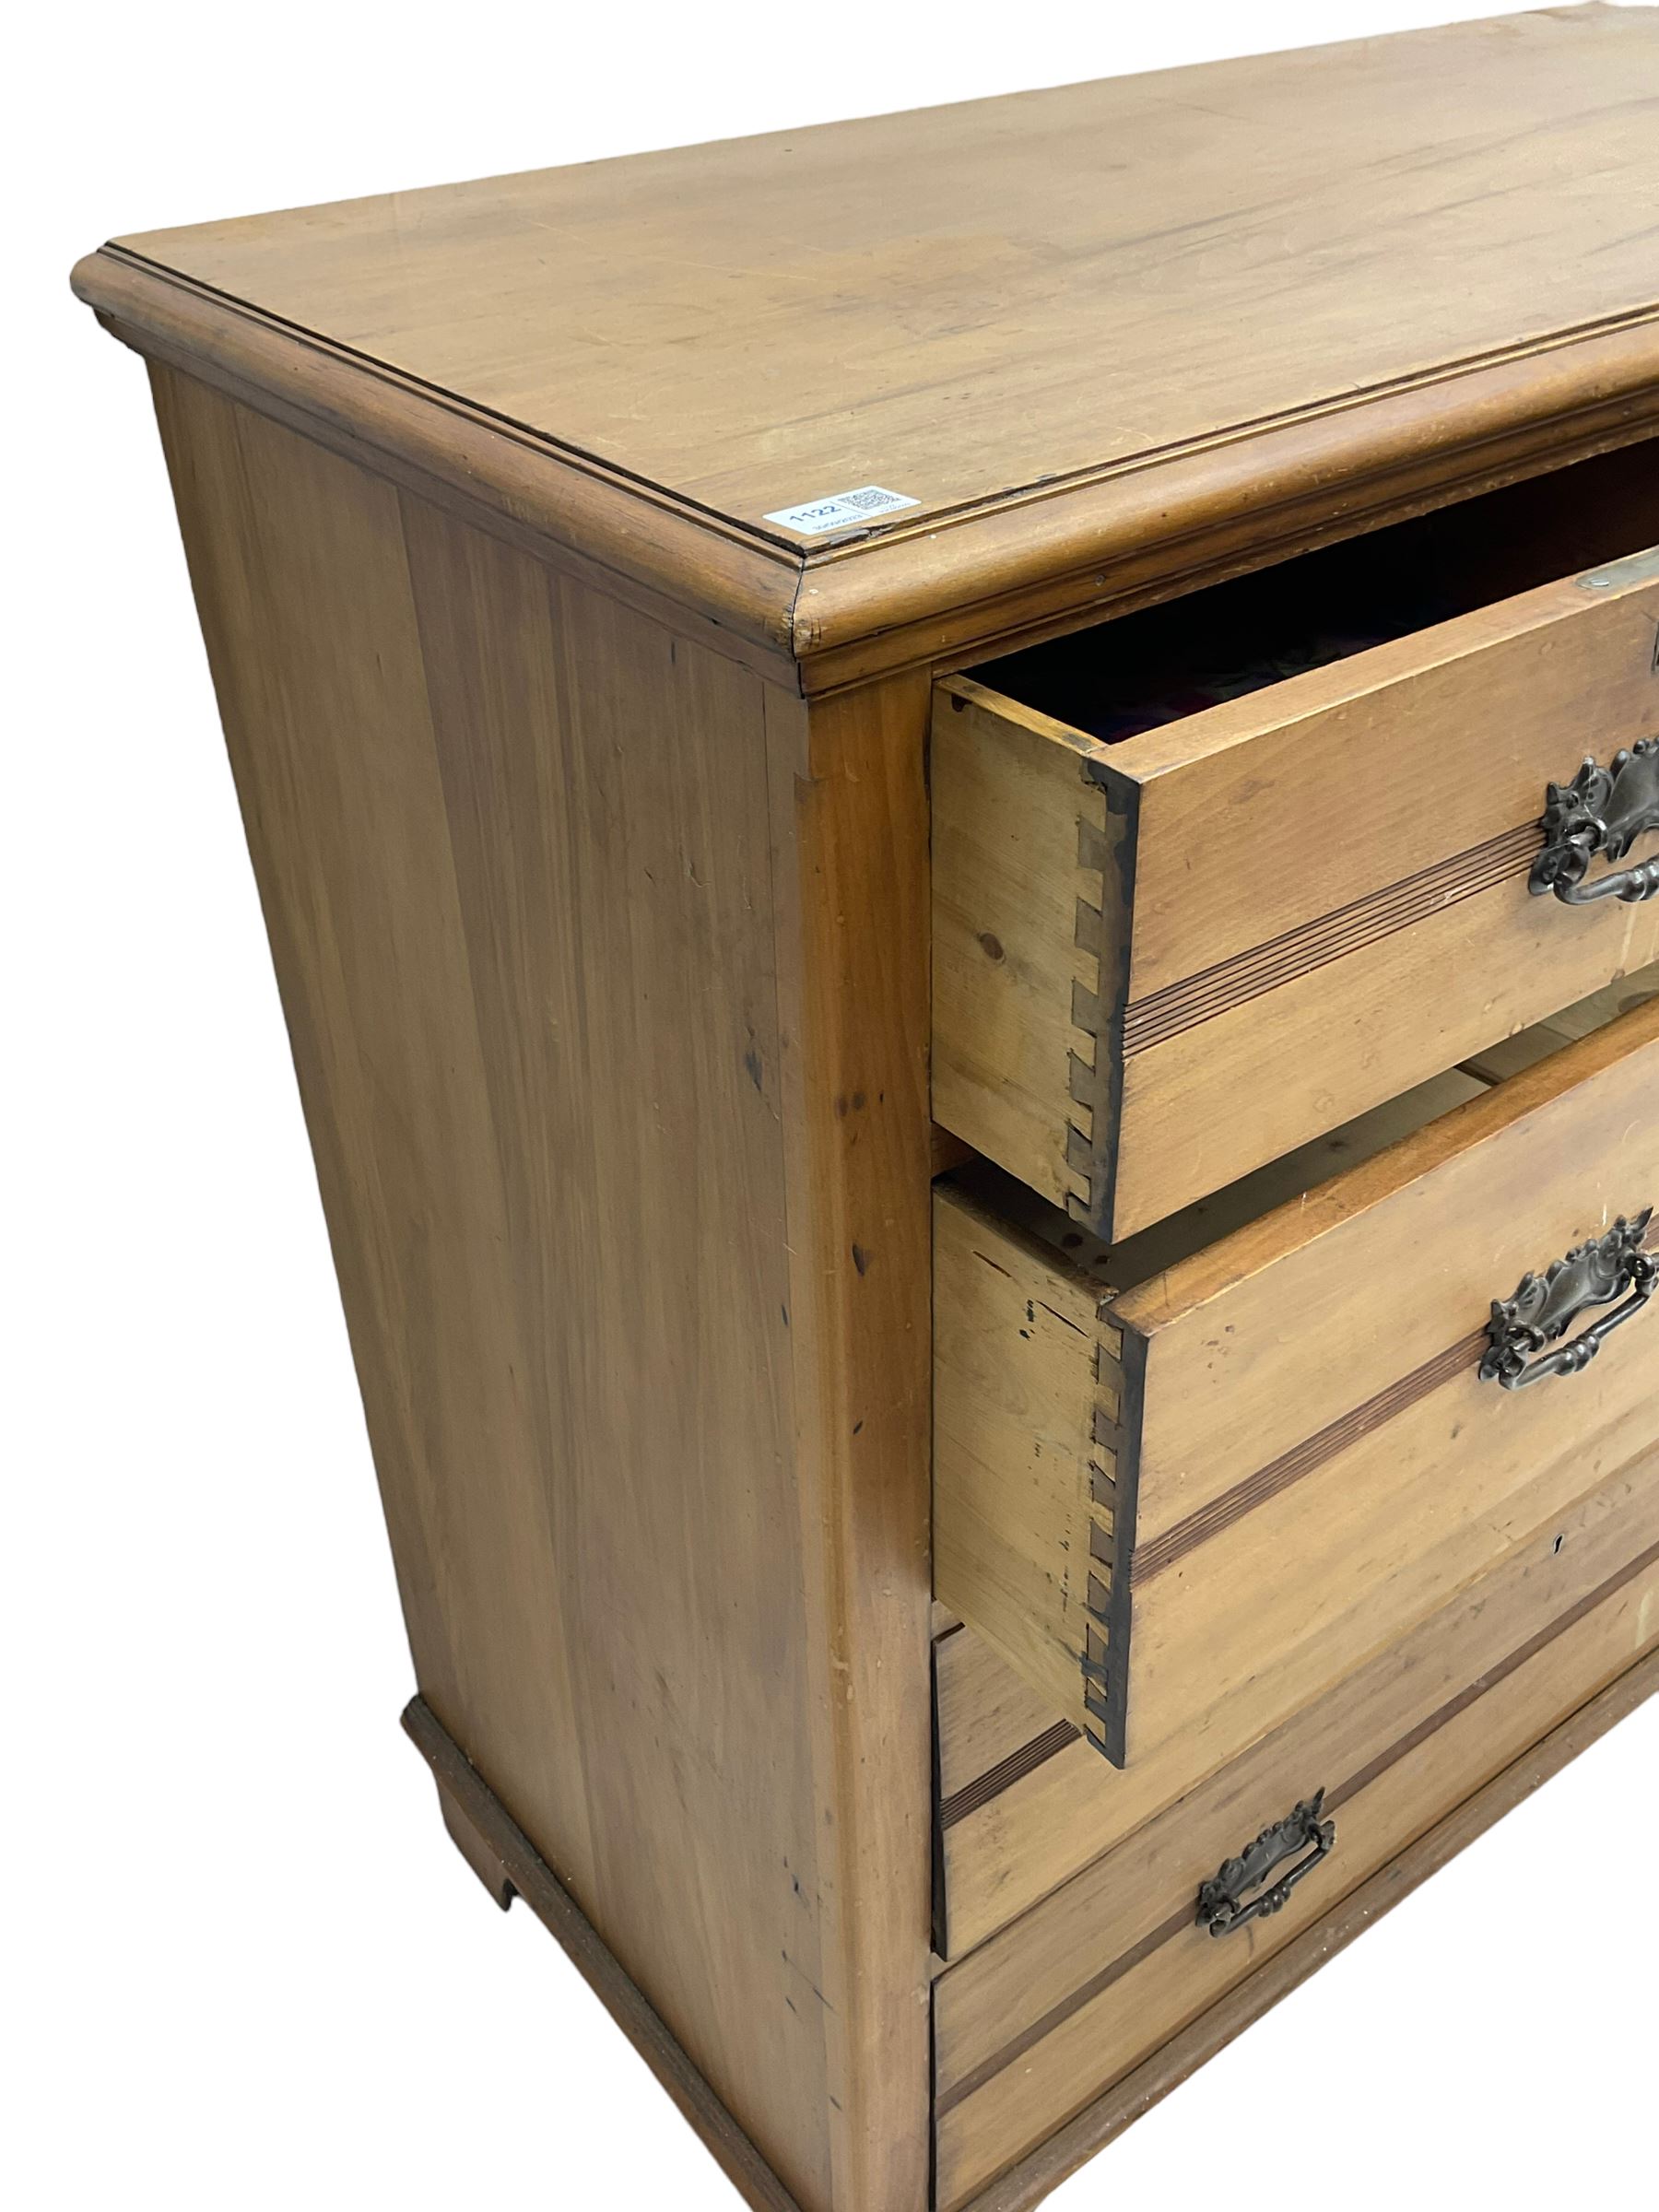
1219,1464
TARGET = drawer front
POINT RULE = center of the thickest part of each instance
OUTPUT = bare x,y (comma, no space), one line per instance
1052,2012
1133,942
1025,1804
1195,1506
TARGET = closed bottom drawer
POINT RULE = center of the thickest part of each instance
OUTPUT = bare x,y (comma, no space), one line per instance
1049,2014
1185,1484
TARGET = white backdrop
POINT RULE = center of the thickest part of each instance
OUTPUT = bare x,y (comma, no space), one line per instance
244,1966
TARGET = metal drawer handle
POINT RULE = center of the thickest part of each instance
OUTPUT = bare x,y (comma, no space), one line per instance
1600,815
1221,1906
1547,1305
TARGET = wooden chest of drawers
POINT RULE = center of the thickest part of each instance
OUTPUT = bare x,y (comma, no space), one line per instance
959,819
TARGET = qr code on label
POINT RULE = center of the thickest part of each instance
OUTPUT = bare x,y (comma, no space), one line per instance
840,511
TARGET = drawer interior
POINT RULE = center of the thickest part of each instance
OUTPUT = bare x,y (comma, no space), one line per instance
1297,821
1144,670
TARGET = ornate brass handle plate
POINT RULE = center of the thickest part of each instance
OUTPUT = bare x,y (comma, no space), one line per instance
1599,816
1224,1902
1544,1307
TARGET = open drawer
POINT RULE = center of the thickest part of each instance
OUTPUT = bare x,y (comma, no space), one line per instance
1211,878
1188,1482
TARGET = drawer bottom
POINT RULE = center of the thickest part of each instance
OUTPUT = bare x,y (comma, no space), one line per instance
1044,2049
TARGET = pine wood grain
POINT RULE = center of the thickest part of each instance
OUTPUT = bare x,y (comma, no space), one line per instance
955,292
1024,1379
1027,913
1581,1019
1136,939
986,1714
1106,335
534,893
1001,2093
1407,1264
509,1866
1026,2183
1388,1014
591,811
850,822
1019,1825
999,2001
1181,1475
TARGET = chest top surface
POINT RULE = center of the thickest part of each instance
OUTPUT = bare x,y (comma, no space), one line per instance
1008,302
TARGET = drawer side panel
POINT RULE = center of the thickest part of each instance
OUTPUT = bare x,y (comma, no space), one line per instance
1027,1393
1030,941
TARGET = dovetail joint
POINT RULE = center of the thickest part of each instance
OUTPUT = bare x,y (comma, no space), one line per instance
1088,1073
1102,1535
